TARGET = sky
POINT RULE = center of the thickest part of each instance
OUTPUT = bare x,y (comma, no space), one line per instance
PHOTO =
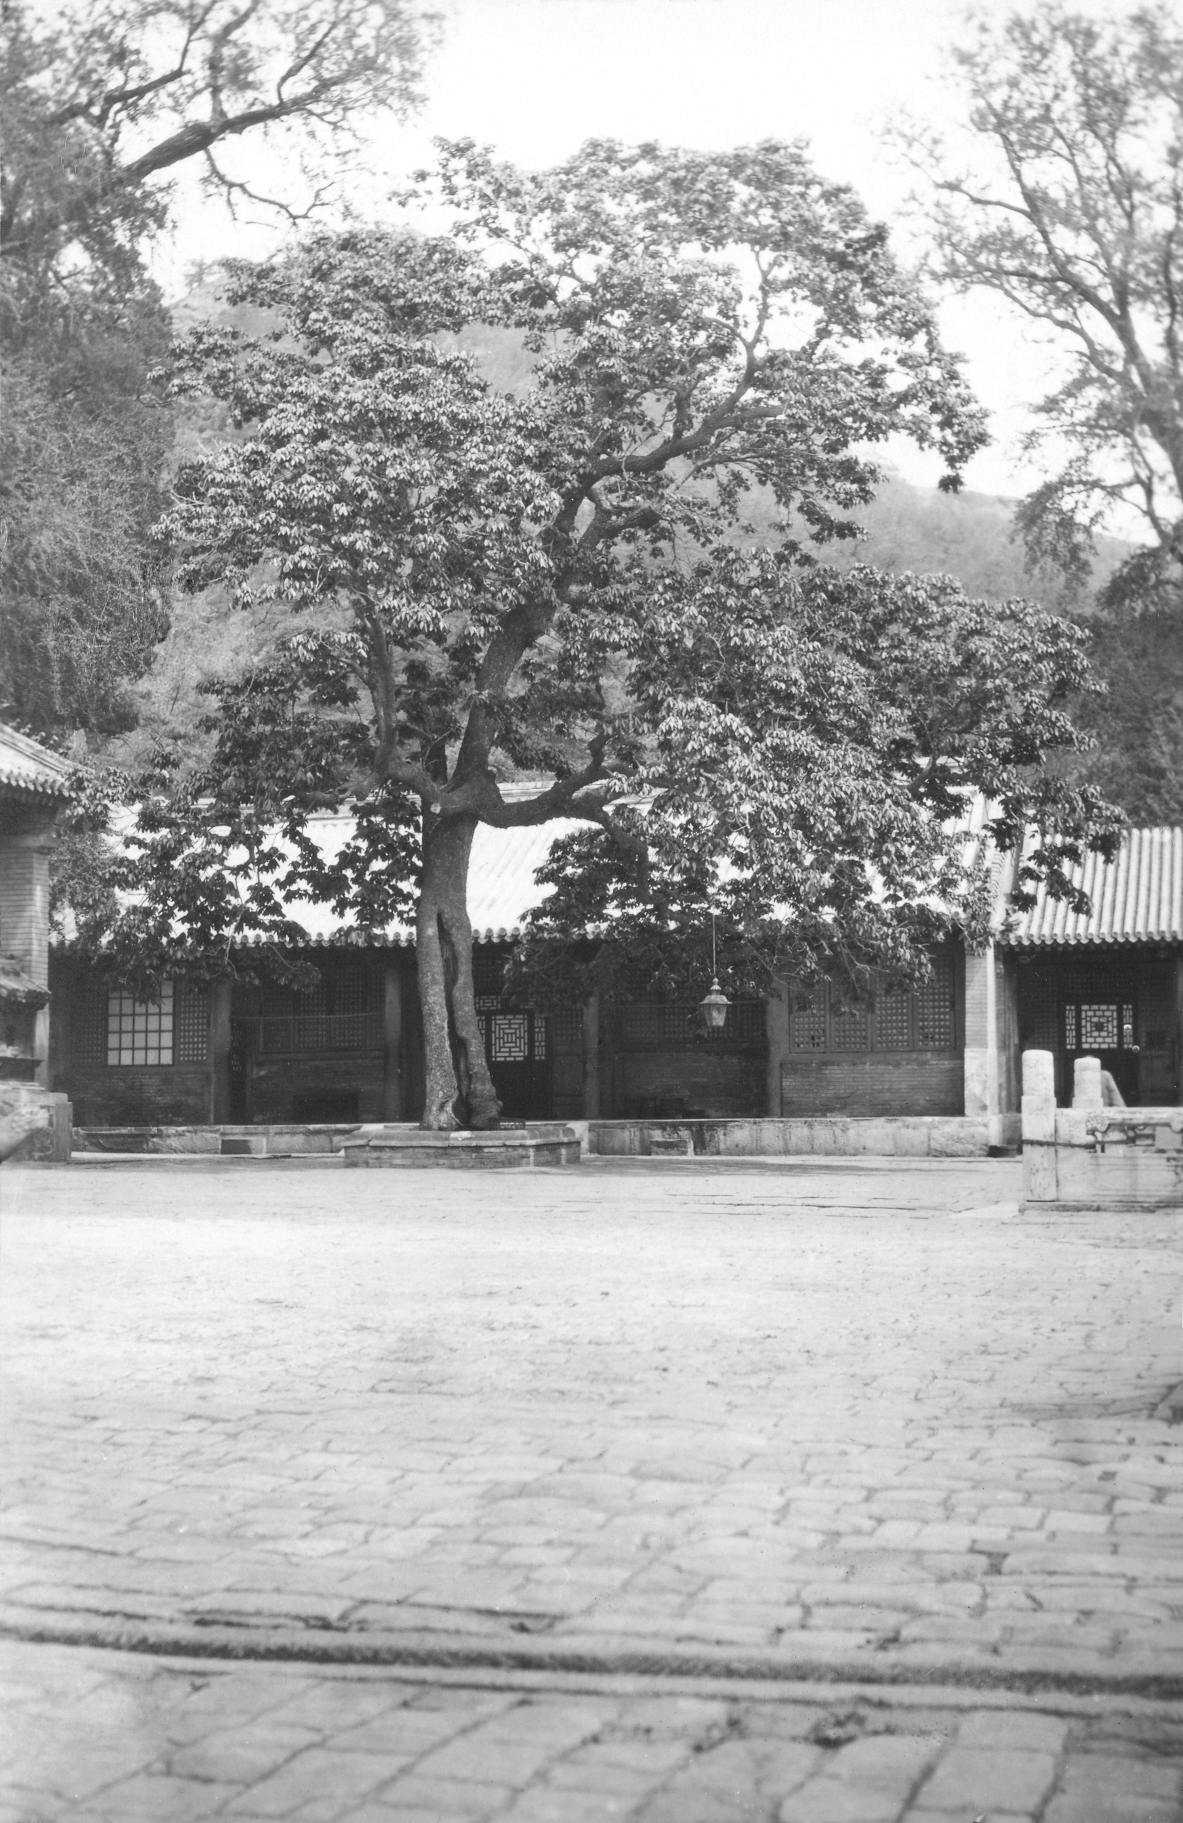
535,78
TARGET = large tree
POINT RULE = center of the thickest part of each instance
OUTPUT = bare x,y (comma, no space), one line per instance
552,584
99,102
1065,199
102,106
1068,203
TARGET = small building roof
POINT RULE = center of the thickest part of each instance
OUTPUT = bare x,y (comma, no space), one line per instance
1135,898
17,987
26,766
502,889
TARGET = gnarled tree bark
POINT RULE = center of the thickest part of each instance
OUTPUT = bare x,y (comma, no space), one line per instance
460,1089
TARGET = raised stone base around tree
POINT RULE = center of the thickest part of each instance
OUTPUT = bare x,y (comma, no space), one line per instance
509,1148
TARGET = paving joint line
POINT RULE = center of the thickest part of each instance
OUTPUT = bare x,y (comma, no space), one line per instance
275,1646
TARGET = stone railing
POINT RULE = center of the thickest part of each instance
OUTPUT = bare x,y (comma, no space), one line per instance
1093,1156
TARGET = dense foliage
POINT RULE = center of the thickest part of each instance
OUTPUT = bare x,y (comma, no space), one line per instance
550,584
100,105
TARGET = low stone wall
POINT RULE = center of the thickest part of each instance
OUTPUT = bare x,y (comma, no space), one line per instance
402,1145
287,1141
921,1136
1093,1155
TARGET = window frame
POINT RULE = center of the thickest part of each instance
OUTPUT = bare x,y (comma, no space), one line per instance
834,1018
137,1021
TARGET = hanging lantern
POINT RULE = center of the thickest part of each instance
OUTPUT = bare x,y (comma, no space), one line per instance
713,1007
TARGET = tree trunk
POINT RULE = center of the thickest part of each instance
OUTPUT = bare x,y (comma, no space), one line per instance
460,1090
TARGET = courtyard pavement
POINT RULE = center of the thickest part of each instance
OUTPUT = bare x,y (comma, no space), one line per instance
671,1491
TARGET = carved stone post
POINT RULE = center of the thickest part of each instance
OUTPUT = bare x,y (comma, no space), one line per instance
1086,1084
1039,1127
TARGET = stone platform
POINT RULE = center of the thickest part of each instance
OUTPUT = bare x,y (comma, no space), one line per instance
806,1136
507,1148
920,1137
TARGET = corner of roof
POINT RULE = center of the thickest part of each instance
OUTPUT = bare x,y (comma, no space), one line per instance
25,765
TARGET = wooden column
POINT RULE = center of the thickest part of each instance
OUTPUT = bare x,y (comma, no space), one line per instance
1007,1002
591,1059
1179,1028
219,1052
392,1041
776,1026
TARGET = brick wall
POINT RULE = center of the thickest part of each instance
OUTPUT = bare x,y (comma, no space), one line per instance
720,1083
870,1083
293,1087
170,1095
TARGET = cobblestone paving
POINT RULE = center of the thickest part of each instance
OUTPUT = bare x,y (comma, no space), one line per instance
864,1421
99,1737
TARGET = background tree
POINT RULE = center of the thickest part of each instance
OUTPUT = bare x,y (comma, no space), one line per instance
551,584
1070,207
100,107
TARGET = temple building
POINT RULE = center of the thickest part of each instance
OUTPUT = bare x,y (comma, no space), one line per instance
349,1049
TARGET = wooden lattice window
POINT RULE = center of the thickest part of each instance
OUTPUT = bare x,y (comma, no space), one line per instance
676,1025
349,986
568,1027
644,1026
936,1022
488,975
848,1025
511,1037
90,1030
807,1025
1100,1025
191,1021
893,1020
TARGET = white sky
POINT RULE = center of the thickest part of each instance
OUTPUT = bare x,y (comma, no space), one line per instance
534,78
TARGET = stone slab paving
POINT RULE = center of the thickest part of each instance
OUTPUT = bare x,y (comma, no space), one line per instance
107,1737
784,1423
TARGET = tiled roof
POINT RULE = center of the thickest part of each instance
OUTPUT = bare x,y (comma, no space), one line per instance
18,988
1135,898
26,766
501,883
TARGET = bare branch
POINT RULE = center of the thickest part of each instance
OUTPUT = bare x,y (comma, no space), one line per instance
233,187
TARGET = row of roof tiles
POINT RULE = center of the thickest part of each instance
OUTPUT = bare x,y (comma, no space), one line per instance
1135,898
26,766
502,888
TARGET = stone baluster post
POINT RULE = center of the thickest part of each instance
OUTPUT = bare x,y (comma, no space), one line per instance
1086,1084
1039,1127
